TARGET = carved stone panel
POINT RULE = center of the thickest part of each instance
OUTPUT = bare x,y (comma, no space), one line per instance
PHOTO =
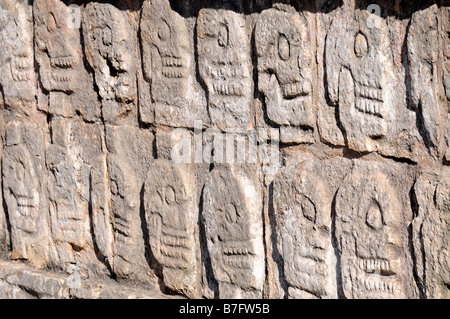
25,201
431,234
372,236
172,216
58,46
225,67
129,158
169,65
357,68
111,51
285,61
426,74
302,207
233,226
61,67
76,190
17,77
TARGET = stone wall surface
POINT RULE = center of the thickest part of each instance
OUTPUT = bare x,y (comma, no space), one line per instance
225,149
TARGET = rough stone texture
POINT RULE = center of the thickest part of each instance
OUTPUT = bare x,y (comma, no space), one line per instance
224,149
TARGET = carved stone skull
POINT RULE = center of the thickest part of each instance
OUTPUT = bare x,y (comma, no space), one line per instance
371,236
58,45
20,183
171,218
225,67
166,50
284,66
303,211
357,69
110,51
233,232
16,58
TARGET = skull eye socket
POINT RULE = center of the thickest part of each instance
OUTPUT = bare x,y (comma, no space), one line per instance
107,37
307,207
51,23
361,45
284,49
222,38
374,217
164,31
170,195
231,213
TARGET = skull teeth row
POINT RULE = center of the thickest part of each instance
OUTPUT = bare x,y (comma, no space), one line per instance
175,241
25,201
173,72
22,76
235,250
22,63
65,62
295,89
374,265
228,89
224,72
61,78
369,92
380,285
369,106
172,62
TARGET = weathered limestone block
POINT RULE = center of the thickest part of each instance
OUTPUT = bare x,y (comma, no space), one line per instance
302,200
234,232
76,162
426,74
172,215
285,65
431,233
225,67
358,69
17,76
129,158
24,193
111,50
61,67
372,216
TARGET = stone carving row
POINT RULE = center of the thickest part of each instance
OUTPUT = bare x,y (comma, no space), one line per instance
103,55
87,176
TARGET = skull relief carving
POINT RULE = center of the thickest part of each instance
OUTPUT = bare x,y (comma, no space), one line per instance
225,67
285,66
58,46
357,72
110,51
234,233
372,237
302,207
16,59
22,194
171,215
